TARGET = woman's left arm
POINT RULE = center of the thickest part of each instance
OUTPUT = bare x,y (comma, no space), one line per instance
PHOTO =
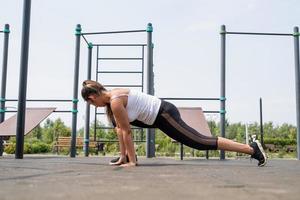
122,121
120,115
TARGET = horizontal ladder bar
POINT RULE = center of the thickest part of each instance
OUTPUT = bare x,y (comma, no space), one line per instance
119,45
101,127
190,98
120,72
120,58
118,141
249,33
123,85
62,111
112,32
210,111
43,100
57,111
100,113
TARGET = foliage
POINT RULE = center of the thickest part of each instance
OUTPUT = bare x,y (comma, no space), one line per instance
31,146
280,141
41,139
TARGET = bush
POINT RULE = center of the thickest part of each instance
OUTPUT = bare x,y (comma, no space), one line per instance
30,147
141,150
27,148
280,141
10,148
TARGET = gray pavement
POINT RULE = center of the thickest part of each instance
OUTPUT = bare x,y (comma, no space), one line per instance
57,177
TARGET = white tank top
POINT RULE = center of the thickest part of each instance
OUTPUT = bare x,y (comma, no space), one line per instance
141,106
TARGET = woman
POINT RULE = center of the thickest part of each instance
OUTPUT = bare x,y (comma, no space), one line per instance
126,107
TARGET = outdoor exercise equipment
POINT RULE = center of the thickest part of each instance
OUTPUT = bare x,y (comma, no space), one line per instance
295,36
150,151
21,121
34,116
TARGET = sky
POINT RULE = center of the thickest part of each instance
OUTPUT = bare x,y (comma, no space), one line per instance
186,51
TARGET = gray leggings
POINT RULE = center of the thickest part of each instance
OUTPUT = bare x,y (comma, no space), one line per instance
169,121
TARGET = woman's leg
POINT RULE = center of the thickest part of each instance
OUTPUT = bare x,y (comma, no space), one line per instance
229,145
170,122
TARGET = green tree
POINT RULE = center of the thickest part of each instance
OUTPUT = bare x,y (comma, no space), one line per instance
37,133
52,130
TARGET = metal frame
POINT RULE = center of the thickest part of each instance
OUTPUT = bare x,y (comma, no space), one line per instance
99,72
295,35
23,80
150,137
150,133
5,32
261,122
20,127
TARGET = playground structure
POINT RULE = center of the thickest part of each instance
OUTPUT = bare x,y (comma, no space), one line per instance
20,124
140,72
34,116
100,73
6,32
295,36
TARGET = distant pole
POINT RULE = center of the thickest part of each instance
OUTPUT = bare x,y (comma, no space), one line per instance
4,73
261,123
223,82
75,91
6,32
23,80
181,151
87,106
247,134
150,137
297,71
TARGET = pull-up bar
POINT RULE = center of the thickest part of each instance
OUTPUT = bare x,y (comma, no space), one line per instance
113,32
119,45
249,33
191,98
295,35
78,32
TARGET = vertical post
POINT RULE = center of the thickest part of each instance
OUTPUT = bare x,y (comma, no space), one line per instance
223,82
75,91
95,119
297,71
4,73
207,154
23,80
87,107
261,123
247,134
150,137
181,151
3,80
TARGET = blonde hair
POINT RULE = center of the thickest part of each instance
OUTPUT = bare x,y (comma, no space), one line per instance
90,87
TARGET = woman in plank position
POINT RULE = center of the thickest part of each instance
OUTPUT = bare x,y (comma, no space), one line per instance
127,107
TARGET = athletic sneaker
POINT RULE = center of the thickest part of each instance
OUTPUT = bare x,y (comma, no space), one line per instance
117,159
259,153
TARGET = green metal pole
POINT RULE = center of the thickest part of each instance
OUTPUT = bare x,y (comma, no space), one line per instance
75,92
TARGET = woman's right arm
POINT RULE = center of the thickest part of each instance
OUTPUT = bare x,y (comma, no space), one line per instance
121,141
